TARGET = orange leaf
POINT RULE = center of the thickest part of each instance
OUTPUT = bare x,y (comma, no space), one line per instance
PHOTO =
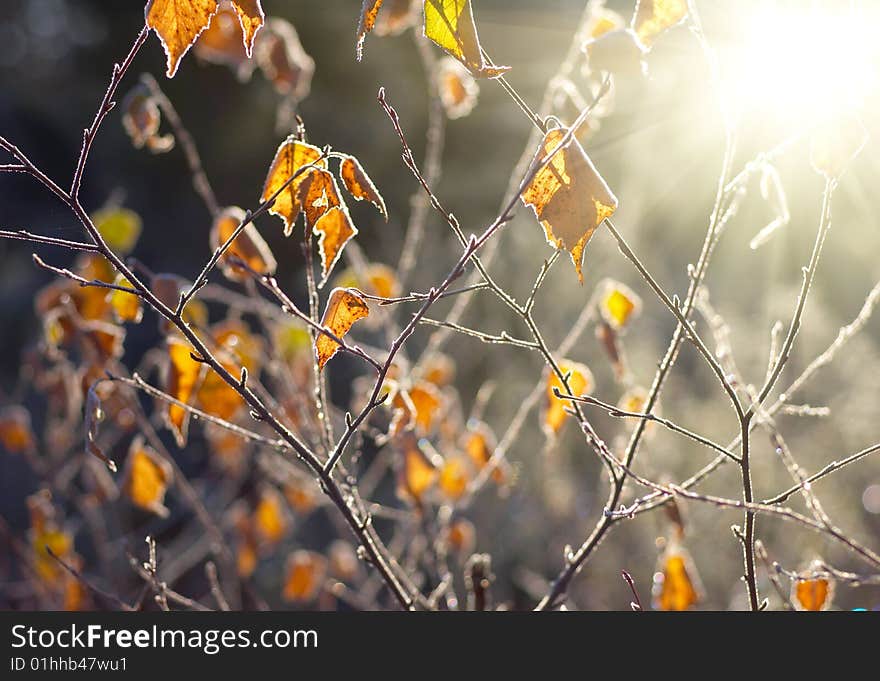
359,184
618,304
184,375
580,382
421,404
16,433
479,444
291,156
334,229
223,42
462,536
369,11
454,477
270,519
343,309
812,592
127,307
318,194
450,24
568,196
251,17
417,474
676,584
305,576
457,88
653,17
248,246
178,23
146,477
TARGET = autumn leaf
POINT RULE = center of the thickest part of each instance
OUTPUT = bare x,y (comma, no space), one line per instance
359,184
811,592
318,194
457,88
396,16
676,583
416,406
580,382
127,307
343,309
369,12
283,60
146,478
119,227
248,246
141,119
438,368
569,197
270,519
184,375
292,156
178,23
653,17
334,229
454,477
304,576
618,304
251,17
450,24
375,279
223,42
16,433
300,494
834,143
462,536
417,473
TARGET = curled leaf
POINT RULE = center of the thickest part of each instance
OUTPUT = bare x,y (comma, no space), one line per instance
178,23
457,88
334,229
580,382
359,184
223,42
812,590
141,119
146,478
283,60
248,246
417,473
251,18
292,156
450,24
343,309
569,197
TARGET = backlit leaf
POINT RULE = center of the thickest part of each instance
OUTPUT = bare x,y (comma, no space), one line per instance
462,536
457,88
359,184
127,307
450,24
835,143
318,194
568,196
249,246
291,156
301,495
120,228
369,12
141,118
619,52
618,304
343,309
812,592
438,368
16,433
676,583
270,519
251,17
417,473
178,23
396,16
334,229
304,576
184,375
652,17
454,477
580,382
283,60
146,478
379,280
419,406
223,42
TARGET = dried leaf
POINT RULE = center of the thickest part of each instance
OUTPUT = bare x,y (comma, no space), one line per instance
283,60
119,227
16,432
569,197
359,184
304,576
127,307
334,229
223,42
454,477
141,118
835,143
653,17
248,246
146,478
418,406
676,583
417,474
251,17
291,156
450,24
369,11
343,309
183,377
580,382
301,496
378,280
178,23
270,519
318,193
618,304
438,368
457,88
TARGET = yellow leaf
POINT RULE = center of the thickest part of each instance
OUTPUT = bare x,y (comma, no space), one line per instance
835,143
652,17
369,11
417,473
146,478
812,593
334,229
676,583
569,197
454,477
223,42
343,309
618,304
379,280
127,307
270,520
420,404
184,374
318,193
251,17
248,246
479,444
438,369
16,433
304,576
178,23
359,184
119,227
291,156
450,24
580,382
457,88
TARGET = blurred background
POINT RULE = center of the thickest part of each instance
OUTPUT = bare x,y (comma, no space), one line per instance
660,150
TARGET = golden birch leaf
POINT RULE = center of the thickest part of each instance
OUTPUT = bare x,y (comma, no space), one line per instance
334,229
304,576
141,118
457,88
270,519
359,184
120,228
479,444
652,17
291,156
580,382
184,375
454,477
127,307
318,194
249,246
676,583
217,397
369,12
343,309
421,403
450,24
223,42
835,143
417,473
251,17
812,593
146,478
178,23
377,280
569,197
618,304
